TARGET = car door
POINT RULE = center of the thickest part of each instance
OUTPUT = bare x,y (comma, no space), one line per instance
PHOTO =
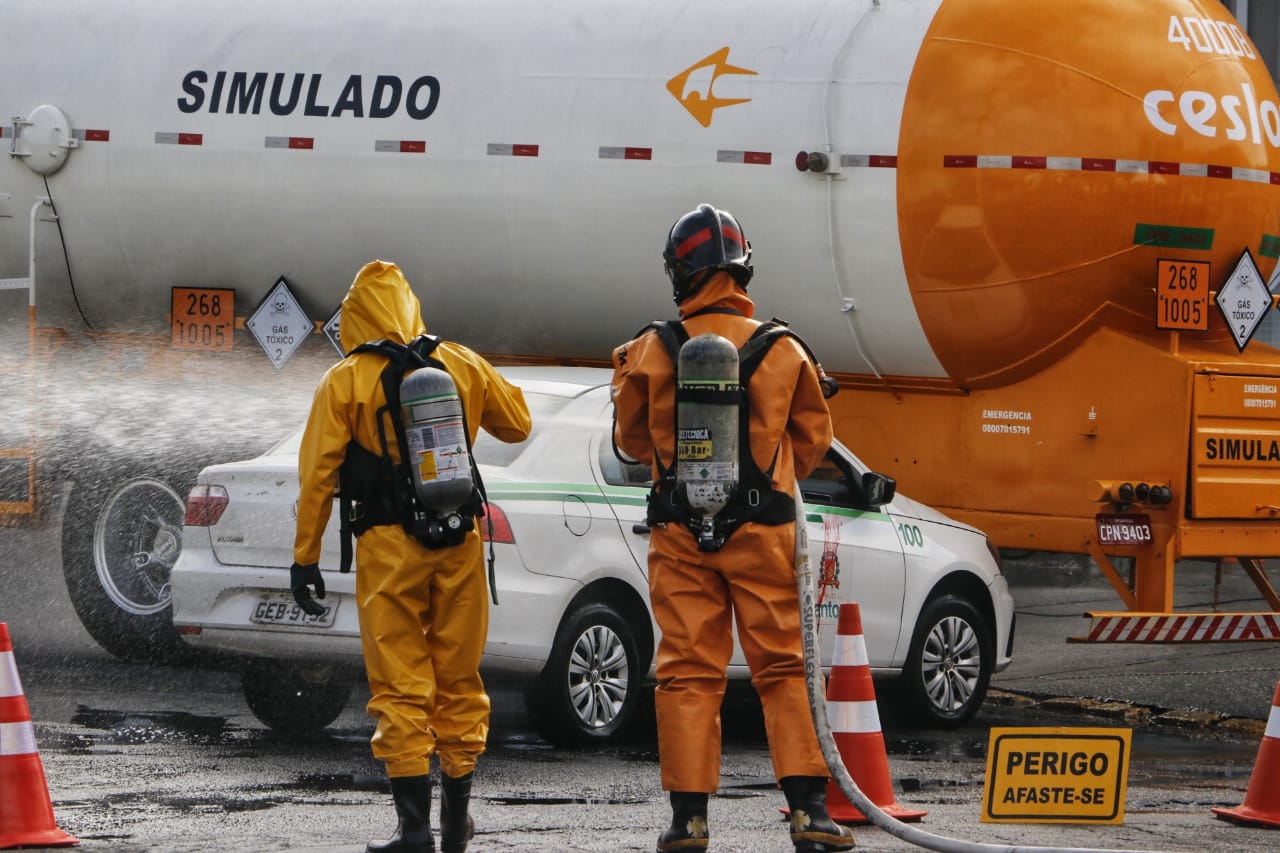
626,486
855,555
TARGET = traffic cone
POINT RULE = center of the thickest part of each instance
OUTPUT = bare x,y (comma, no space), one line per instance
855,724
26,813
1261,805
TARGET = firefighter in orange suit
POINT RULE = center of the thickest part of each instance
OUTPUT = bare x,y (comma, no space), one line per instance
423,611
751,578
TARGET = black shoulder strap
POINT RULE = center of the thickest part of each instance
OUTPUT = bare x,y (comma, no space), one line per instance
671,333
753,352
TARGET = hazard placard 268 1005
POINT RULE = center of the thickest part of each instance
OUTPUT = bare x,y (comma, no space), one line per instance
1182,294
203,318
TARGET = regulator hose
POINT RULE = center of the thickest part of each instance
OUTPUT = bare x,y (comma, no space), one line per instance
831,753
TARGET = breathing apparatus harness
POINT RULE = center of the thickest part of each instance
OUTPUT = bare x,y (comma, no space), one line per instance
753,497
374,490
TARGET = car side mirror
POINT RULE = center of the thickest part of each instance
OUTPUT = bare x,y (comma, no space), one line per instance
878,489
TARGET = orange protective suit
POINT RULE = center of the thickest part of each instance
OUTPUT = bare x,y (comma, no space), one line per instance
424,613
752,578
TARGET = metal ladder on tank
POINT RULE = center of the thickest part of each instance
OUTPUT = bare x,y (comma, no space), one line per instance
19,438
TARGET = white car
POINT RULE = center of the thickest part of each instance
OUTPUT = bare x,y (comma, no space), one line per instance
570,541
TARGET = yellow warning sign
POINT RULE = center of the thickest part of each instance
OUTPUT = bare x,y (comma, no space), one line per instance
1056,775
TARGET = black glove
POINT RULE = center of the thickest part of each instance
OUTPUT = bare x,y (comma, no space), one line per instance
299,578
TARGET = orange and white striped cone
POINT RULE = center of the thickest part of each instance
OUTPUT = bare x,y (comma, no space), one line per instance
855,724
1261,806
26,813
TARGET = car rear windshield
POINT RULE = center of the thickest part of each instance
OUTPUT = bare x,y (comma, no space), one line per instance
490,451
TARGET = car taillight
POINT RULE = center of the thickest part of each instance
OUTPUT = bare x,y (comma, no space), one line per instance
205,505
495,517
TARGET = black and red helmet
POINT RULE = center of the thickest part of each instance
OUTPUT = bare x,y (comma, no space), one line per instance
702,241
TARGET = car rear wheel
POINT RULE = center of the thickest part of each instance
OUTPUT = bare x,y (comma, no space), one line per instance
591,688
120,540
948,667
295,699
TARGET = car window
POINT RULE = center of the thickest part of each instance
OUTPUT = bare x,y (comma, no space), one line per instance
832,467
619,473
834,483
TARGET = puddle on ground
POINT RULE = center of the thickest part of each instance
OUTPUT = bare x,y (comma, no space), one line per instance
331,782
942,748
138,727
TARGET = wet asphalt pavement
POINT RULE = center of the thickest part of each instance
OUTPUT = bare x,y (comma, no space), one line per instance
165,760
168,760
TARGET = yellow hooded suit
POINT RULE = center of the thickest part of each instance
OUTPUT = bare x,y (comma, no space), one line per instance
424,614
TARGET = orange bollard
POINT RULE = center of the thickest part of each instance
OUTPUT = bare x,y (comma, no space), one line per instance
855,724
1261,805
26,813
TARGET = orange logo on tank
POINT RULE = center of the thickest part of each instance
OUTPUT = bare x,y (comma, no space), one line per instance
703,104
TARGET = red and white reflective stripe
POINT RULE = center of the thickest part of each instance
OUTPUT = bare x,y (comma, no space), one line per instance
10,686
611,152
76,133
872,161
400,146
17,739
850,651
296,143
1273,723
166,138
853,718
754,158
1188,628
1104,164
501,149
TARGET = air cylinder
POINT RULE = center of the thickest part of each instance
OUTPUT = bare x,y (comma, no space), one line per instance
707,406
433,424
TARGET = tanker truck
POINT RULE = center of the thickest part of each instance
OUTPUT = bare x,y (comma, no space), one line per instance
1031,238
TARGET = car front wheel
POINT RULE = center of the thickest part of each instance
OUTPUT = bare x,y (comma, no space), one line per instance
591,688
948,667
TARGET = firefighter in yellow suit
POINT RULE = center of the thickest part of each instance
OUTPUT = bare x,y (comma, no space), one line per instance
695,593
423,612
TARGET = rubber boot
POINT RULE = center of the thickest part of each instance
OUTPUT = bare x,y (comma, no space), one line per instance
412,796
456,825
688,830
812,829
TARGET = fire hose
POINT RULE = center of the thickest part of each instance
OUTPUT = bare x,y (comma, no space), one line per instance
830,751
